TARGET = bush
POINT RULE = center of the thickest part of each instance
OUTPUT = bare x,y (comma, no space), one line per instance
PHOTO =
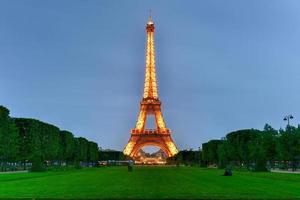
261,166
77,165
38,165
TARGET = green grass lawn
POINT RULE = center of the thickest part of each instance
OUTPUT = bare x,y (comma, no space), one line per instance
150,182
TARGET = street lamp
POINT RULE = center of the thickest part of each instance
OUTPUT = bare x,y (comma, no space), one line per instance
287,118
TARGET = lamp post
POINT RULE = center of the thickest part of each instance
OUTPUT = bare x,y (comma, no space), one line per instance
287,118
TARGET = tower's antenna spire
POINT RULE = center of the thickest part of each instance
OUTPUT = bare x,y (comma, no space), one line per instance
150,17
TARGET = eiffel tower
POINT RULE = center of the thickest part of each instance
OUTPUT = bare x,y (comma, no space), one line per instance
150,105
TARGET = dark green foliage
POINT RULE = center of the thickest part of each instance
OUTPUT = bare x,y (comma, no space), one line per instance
210,151
29,141
40,143
67,146
239,145
8,137
187,157
49,138
38,139
92,151
38,164
289,145
46,141
105,155
248,149
81,149
254,149
223,154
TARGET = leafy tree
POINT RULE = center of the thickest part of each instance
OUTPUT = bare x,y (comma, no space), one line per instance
50,139
210,151
31,140
105,155
270,143
188,157
288,146
223,155
92,151
67,146
38,139
30,145
81,149
30,149
238,145
8,137
258,153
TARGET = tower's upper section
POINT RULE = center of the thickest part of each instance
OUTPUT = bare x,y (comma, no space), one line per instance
150,85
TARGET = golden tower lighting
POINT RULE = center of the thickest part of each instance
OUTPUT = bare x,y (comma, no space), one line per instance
150,105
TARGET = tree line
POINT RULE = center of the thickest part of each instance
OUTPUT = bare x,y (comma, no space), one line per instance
30,141
252,149
105,155
39,143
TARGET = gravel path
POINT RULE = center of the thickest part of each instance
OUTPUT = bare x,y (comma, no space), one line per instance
287,172
14,172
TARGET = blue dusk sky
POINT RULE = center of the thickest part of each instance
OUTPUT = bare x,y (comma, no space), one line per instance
221,65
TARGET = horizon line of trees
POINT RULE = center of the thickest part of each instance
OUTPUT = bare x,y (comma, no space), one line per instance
252,149
25,140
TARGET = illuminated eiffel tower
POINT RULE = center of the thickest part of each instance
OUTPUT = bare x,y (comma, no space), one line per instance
150,105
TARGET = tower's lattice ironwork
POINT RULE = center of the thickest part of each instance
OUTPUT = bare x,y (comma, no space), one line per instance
150,105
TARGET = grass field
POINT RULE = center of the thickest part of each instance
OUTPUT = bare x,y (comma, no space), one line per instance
150,182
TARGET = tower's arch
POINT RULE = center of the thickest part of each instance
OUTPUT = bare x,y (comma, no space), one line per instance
151,143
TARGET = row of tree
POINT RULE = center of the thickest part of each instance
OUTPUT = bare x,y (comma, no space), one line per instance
187,157
255,149
252,149
30,140
105,155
